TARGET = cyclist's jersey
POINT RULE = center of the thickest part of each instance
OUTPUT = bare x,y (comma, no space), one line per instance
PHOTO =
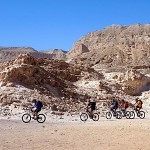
115,104
92,105
124,104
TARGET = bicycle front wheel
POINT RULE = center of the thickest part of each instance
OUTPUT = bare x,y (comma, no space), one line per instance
26,118
95,117
141,114
41,118
83,116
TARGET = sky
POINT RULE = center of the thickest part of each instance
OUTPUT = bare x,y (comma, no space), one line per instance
49,24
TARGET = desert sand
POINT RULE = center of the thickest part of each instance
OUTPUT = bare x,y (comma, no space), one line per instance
75,135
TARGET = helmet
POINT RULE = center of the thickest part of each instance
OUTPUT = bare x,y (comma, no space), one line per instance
34,100
91,100
112,98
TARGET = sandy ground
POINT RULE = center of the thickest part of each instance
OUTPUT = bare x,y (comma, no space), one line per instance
76,135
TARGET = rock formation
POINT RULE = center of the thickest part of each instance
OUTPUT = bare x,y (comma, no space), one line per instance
56,53
134,83
115,45
45,79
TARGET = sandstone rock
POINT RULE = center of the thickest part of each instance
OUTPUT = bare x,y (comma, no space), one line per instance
25,59
115,45
134,82
44,79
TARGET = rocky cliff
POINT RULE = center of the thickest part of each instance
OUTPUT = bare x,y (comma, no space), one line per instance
115,45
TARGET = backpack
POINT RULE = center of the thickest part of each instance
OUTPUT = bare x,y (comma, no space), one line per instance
40,104
141,102
93,105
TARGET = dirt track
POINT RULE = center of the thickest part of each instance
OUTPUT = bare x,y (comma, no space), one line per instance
102,135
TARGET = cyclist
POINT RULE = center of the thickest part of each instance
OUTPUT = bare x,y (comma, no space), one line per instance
114,105
123,106
91,106
138,104
38,105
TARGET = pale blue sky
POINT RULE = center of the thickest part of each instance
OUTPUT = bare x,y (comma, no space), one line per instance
46,24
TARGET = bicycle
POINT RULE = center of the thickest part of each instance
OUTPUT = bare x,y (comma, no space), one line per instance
87,114
116,114
26,118
139,113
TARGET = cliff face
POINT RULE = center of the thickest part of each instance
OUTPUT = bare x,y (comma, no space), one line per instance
115,45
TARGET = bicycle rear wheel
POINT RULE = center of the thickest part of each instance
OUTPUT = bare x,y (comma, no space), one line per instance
26,118
41,118
83,116
108,115
95,117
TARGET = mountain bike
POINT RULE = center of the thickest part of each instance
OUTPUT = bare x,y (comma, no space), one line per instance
87,114
116,114
26,118
125,113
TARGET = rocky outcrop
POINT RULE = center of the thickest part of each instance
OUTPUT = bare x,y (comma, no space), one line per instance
134,83
53,77
25,59
115,45
63,86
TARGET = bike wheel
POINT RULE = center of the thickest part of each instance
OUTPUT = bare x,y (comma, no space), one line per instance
95,117
127,114
41,118
141,114
118,115
83,116
108,115
132,115
26,118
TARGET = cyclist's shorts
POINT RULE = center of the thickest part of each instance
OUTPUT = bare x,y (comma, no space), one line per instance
114,107
38,110
139,107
